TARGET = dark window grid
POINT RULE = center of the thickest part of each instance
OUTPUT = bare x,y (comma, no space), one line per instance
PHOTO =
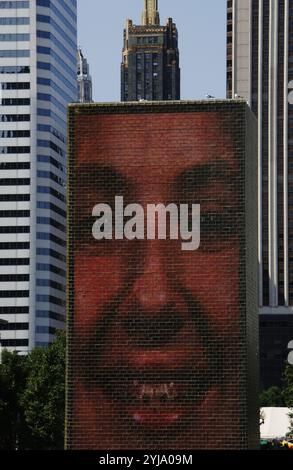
15,117
16,101
15,213
15,85
14,197
14,134
13,229
15,150
14,277
14,327
6,343
14,181
18,69
13,310
8,294
14,261
14,4
14,166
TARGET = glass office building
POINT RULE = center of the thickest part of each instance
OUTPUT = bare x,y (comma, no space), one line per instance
38,43
259,68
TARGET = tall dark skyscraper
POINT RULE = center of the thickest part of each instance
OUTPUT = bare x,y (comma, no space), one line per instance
259,68
150,64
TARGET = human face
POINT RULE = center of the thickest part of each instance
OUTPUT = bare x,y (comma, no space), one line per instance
154,326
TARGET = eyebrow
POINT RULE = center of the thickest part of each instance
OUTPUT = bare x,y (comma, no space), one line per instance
102,178
200,176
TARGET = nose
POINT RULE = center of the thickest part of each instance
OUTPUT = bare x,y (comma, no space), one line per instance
153,311
151,288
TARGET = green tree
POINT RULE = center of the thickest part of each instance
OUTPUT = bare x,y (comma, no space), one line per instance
272,397
43,399
288,392
13,430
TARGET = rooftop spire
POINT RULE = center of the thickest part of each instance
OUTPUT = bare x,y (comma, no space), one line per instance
150,14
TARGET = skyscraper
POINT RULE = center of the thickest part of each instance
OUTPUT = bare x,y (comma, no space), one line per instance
150,65
38,46
259,68
84,80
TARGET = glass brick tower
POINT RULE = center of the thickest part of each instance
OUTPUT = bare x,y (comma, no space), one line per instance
38,43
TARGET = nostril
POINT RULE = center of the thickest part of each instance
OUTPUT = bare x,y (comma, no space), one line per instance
152,329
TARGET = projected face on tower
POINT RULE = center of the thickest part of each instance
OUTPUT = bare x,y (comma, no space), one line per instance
153,323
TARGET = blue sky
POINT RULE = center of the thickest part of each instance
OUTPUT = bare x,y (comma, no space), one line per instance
202,42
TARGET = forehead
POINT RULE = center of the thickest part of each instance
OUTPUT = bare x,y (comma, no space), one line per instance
141,145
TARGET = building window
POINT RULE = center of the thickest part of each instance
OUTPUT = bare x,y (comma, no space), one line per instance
14,21
50,299
15,4
15,117
50,315
14,277
14,197
50,283
51,268
51,252
16,150
14,134
15,165
8,294
14,37
14,246
51,237
14,261
53,192
52,145
16,101
19,229
15,213
52,176
13,310
15,85
15,68
50,221
51,160
45,330
14,53
13,343
14,182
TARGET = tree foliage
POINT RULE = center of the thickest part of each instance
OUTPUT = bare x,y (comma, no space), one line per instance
288,392
272,397
32,396
44,397
12,383
275,397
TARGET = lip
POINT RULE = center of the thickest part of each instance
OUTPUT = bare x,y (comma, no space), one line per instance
125,367
154,396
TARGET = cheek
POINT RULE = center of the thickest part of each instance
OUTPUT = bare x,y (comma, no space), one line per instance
213,279
96,282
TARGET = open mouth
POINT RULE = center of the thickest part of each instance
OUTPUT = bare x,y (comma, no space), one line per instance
156,399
